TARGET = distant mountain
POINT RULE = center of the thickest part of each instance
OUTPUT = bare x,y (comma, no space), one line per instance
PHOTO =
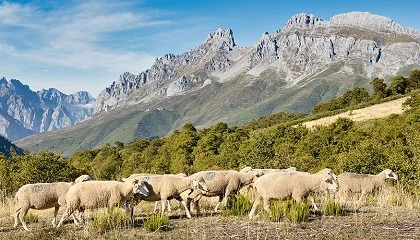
307,61
24,112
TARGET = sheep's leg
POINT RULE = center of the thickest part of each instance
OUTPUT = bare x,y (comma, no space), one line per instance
218,203
17,212
313,203
169,207
55,216
184,203
254,206
163,202
66,214
22,215
361,198
224,199
267,204
156,204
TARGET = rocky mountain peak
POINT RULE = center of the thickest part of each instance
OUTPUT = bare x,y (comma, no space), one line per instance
221,39
24,112
365,20
303,20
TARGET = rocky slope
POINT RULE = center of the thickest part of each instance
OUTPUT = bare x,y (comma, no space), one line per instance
307,61
24,112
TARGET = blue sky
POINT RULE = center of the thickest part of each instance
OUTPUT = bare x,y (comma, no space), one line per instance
85,45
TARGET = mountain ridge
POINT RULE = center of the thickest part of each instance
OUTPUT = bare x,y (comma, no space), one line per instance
306,61
24,112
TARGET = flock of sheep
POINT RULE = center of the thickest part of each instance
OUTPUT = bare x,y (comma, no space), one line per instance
268,184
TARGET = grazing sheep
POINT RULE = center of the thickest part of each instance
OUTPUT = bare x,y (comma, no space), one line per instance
283,185
140,175
42,196
169,186
362,183
99,194
221,184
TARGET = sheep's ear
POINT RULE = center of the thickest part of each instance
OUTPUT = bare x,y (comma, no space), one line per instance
135,181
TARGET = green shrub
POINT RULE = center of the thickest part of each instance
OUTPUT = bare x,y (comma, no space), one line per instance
332,208
110,220
156,222
238,205
290,210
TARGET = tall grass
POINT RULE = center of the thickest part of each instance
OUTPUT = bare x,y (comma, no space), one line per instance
295,212
156,222
237,205
112,219
332,208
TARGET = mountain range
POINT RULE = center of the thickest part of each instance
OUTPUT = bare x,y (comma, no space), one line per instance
307,61
25,112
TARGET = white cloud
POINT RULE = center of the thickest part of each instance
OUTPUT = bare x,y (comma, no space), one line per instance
74,36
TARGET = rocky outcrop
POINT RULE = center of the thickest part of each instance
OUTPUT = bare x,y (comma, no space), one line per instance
24,112
209,57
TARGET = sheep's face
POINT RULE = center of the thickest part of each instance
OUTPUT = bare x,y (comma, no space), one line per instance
390,174
140,187
331,183
200,184
328,171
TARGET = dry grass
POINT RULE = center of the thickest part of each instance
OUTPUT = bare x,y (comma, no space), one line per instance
390,215
371,112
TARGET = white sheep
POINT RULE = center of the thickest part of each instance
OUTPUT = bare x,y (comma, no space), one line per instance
169,186
42,196
221,184
139,175
297,185
362,183
101,194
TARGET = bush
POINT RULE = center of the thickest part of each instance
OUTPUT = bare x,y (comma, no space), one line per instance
110,220
156,222
332,208
290,210
238,205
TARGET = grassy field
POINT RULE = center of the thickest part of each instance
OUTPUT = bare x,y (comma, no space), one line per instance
371,112
390,215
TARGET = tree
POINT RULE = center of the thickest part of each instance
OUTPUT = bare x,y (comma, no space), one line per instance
399,85
379,87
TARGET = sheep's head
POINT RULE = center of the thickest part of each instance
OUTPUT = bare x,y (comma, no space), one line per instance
330,183
83,178
328,171
390,174
140,187
200,184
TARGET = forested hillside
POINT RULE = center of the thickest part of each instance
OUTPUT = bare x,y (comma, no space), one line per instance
276,141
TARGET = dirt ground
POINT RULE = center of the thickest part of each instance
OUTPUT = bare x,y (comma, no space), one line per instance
365,223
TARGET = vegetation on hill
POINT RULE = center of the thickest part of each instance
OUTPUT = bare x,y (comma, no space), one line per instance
270,142
399,85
